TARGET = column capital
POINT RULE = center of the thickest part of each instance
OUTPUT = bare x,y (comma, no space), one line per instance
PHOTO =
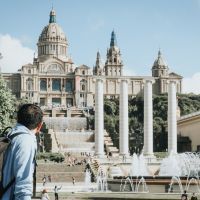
123,79
98,78
148,81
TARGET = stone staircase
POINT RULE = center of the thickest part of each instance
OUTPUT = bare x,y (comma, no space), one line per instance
109,146
60,172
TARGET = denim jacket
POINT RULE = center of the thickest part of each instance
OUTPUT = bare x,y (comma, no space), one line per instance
19,162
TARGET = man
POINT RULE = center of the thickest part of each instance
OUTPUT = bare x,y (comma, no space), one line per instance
56,189
19,159
184,195
193,197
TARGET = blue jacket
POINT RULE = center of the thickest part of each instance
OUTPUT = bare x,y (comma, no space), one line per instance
19,162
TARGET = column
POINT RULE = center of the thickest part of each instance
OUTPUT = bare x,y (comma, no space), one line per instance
99,118
148,118
172,121
123,123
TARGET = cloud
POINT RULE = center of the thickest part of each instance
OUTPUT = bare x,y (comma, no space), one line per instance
14,54
191,84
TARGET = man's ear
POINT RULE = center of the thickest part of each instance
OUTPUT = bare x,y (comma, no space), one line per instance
39,127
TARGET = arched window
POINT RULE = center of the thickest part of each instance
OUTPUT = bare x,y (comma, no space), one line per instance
56,86
43,85
83,87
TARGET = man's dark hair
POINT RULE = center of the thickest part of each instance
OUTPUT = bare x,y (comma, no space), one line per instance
29,115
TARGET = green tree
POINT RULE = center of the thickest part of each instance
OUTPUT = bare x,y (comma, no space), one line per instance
7,105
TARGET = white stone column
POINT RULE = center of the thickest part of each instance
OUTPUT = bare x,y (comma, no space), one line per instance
148,118
99,118
123,123
172,121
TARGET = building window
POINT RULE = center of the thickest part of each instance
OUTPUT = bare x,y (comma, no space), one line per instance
42,101
29,71
29,84
68,86
83,87
56,101
56,86
43,85
69,102
83,72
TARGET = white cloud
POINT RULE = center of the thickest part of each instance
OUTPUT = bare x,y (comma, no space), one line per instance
14,54
191,84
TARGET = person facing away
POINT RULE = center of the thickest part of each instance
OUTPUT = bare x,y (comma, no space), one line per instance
44,180
19,160
193,197
56,189
184,195
45,195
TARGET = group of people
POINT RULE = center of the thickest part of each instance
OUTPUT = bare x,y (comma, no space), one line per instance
45,195
45,179
184,196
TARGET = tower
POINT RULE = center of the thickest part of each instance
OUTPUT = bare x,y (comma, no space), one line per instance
114,64
97,69
160,71
160,68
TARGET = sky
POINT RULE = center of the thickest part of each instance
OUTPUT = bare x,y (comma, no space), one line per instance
142,27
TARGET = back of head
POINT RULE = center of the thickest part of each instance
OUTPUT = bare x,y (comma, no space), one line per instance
29,115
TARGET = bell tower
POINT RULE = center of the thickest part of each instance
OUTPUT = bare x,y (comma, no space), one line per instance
114,64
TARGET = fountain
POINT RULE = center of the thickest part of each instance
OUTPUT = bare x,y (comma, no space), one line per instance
138,167
102,185
87,181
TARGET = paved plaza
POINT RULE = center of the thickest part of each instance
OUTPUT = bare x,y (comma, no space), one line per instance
71,192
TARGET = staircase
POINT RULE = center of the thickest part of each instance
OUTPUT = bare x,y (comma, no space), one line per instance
60,172
109,146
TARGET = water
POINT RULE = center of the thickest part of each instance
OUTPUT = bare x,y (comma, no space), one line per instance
87,181
184,164
102,180
138,166
137,185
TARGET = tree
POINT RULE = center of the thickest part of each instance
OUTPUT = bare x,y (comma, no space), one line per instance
7,105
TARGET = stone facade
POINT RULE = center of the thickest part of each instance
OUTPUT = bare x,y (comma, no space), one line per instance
188,127
52,80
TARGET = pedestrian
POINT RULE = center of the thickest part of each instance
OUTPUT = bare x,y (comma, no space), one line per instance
45,195
49,178
19,159
73,180
56,189
184,195
44,180
193,197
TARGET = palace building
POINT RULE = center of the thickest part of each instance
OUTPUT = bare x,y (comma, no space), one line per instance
53,80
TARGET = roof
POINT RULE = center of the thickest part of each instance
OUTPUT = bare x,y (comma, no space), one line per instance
173,74
189,116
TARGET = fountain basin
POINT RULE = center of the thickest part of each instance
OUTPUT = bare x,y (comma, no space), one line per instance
158,184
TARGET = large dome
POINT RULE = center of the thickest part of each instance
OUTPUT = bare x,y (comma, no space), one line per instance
52,32
52,40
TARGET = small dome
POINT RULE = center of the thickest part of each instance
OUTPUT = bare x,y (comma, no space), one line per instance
159,62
